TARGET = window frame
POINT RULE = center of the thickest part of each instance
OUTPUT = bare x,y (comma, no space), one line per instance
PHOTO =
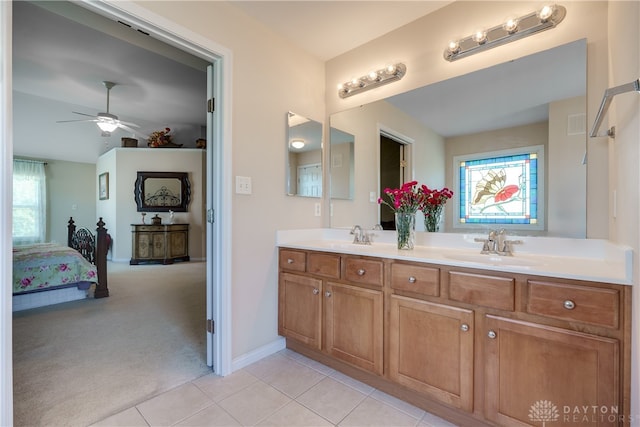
539,150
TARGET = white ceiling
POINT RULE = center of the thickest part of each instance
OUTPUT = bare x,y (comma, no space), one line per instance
63,52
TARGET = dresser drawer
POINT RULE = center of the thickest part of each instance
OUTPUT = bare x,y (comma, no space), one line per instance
293,260
147,228
487,291
324,265
597,306
364,271
415,278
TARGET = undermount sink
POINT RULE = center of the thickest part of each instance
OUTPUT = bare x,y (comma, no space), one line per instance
494,259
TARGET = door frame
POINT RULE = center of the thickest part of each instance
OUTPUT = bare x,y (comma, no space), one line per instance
218,158
218,164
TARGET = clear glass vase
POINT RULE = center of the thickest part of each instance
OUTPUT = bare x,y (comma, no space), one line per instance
432,219
406,230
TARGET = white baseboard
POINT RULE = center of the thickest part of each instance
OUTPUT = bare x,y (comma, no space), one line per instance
257,354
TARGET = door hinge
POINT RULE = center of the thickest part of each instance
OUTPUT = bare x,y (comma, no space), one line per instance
211,105
210,216
211,326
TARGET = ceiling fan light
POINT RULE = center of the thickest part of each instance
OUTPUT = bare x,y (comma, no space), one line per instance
107,126
297,143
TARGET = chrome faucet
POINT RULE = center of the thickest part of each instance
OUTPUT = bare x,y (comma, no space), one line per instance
497,243
362,237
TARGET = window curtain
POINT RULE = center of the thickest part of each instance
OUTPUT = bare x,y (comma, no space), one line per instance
29,202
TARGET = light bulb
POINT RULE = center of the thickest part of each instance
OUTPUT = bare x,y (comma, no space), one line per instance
511,25
479,36
107,126
297,143
454,46
390,69
373,76
546,12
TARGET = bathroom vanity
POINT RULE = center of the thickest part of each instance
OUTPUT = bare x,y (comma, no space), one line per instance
494,340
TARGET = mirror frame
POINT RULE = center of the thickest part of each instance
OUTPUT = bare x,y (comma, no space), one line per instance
144,185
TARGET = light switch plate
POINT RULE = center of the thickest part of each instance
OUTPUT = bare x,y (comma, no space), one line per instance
243,185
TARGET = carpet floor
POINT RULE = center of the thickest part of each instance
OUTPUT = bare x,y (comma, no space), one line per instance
78,362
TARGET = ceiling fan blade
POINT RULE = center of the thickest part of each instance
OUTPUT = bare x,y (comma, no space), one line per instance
69,121
127,128
83,114
130,124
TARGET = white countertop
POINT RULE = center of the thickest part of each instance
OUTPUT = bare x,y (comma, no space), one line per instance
582,259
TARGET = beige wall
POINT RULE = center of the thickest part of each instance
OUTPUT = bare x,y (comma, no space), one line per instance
120,210
71,192
365,123
624,63
420,44
270,76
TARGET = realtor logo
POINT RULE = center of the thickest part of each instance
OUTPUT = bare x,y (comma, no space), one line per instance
543,411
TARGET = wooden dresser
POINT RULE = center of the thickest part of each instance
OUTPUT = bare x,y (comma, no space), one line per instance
159,244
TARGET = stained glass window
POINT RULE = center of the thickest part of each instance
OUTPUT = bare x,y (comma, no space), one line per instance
501,188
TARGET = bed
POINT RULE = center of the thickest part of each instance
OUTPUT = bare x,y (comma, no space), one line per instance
50,273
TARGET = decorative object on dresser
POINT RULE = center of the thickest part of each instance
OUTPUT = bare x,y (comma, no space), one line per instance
162,138
49,273
129,142
162,191
159,243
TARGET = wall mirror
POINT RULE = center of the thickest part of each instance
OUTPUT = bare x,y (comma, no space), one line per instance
341,164
162,191
304,156
478,113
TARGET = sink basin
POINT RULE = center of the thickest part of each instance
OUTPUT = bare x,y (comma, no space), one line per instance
496,260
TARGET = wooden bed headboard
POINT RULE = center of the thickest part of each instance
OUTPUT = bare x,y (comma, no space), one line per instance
94,249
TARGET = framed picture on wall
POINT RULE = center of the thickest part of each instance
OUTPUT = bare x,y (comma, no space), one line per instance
103,186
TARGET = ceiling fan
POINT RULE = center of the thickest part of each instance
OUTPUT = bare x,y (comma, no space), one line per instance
107,122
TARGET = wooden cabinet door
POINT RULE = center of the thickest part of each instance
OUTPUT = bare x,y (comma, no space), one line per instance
300,309
431,350
353,325
537,373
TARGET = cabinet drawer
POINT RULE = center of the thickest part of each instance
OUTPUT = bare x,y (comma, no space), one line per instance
148,228
292,260
324,265
487,291
365,271
415,278
596,306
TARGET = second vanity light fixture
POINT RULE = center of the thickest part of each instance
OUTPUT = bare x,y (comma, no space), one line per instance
388,74
512,29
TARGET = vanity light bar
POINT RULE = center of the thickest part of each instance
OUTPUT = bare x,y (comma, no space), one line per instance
513,29
372,80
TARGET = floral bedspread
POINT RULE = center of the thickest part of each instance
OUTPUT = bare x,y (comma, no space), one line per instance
46,265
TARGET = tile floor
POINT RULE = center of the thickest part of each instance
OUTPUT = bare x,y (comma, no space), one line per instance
285,389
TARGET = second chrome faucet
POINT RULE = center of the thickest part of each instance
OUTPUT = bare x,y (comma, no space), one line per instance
497,243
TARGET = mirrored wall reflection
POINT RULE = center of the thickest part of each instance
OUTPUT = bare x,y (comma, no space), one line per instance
539,99
304,156
342,165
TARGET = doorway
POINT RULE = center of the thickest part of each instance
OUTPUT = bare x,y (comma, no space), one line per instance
218,198
392,174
